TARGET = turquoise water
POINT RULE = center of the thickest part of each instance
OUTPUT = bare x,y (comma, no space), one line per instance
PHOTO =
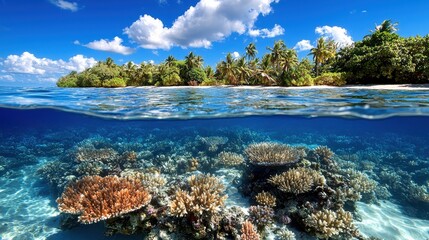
377,170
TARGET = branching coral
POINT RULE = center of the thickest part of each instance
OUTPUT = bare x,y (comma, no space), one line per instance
266,199
328,223
298,180
262,216
152,181
92,154
248,231
205,197
324,154
230,158
361,183
272,154
97,198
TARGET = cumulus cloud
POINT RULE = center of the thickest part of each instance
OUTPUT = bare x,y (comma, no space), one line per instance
266,33
109,46
235,55
303,45
338,34
202,24
44,69
66,5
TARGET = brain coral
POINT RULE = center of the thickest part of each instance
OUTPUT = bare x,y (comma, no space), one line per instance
297,180
97,198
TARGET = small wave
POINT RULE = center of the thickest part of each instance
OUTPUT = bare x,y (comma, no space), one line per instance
221,102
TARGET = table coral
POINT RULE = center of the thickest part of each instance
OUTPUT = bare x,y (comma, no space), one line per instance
272,154
97,198
298,180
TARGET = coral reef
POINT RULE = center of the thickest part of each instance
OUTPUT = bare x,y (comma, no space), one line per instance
248,231
205,197
327,223
230,158
266,199
213,143
323,154
97,198
272,154
262,216
298,180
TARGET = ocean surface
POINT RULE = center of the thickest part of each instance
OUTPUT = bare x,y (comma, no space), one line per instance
367,152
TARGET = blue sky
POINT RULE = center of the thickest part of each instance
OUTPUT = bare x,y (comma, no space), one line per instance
41,40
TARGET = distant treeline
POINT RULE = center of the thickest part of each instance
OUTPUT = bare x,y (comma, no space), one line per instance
382,57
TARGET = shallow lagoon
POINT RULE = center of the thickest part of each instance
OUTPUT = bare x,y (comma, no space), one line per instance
190,130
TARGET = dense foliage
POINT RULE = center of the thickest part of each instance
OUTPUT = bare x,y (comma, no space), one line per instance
381,57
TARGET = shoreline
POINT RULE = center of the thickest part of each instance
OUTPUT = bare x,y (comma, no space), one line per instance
363,87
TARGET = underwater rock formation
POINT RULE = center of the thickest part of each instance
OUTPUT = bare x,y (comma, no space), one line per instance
298,180
272,154
97,198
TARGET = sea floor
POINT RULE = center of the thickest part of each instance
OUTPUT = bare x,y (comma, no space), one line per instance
29,211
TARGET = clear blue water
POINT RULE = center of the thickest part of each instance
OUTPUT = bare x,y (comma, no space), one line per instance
382,135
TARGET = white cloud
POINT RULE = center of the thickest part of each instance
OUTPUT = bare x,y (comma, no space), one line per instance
303,45
6,77
109,46
235,55
29,66
202,24
63,4
338,34
266,33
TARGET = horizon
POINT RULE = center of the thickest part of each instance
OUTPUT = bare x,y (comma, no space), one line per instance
46,39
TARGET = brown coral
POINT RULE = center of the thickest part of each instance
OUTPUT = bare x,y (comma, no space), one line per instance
248,231
324,154
327,223
266,199
298,180
272,154
205,197
97,198
91,154
230,158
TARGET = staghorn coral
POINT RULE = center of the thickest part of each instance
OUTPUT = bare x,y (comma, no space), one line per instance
361,183
272,154
298,180
324,154
205,197
262,216
327,223
248,231
97,198
266,199
230,159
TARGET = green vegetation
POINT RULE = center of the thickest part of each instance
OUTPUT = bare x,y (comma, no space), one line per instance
382,57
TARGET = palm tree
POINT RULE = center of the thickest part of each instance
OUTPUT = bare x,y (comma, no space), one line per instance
170,60
193,61
226,70
242,71
324,51
276,52
251,51
109,62
387,26
289,60
265,72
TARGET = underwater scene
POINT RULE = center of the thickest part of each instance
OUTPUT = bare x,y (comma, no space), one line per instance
214,163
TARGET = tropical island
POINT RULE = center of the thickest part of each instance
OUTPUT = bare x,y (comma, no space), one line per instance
382,57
